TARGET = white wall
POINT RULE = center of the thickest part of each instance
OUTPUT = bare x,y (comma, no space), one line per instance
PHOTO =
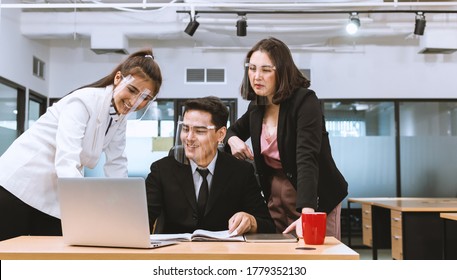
75,65
384,72
16,54
377,72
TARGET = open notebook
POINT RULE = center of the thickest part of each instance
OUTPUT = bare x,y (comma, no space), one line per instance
199,235
109,212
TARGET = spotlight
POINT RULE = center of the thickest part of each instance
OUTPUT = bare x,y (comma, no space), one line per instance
354,23
192,26
241,26
420,24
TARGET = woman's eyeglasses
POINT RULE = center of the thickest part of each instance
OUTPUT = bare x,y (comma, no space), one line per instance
264,69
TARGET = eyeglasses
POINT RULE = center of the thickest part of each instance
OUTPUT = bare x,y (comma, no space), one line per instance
197,129
264,69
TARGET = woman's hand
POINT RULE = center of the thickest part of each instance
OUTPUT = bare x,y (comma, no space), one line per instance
297,226
239,149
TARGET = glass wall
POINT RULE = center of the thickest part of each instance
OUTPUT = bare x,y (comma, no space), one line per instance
428,148
418,159
362,136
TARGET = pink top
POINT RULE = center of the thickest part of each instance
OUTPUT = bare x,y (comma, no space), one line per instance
269,148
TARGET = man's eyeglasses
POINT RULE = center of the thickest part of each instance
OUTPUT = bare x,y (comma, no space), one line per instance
197,129
264,69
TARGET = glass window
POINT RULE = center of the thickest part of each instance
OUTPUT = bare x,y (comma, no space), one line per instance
37,107
8,103
156,120
11,113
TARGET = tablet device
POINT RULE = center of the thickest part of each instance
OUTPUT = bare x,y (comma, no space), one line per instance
270,238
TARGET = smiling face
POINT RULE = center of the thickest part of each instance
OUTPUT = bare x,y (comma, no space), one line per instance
262,74
200,137
135,93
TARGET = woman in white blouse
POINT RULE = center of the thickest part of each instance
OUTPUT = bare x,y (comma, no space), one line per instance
71,135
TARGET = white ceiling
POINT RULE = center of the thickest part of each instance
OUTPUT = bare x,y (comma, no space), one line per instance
120,21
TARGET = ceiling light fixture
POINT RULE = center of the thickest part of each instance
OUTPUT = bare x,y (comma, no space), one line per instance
354,24
193,24
420,24
241,25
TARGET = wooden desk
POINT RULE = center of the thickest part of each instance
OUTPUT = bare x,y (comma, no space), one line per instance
449,235
411,227
52,247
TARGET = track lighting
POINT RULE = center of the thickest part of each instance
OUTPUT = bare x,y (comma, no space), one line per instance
193,23
192,26
354,23
420,24
351,28
241,25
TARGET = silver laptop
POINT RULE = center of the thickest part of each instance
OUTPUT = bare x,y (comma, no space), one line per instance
109,212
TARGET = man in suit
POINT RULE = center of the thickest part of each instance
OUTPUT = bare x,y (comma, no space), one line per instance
186,199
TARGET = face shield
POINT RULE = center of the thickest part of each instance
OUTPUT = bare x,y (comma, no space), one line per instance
150,112
195,142
129,98
248,92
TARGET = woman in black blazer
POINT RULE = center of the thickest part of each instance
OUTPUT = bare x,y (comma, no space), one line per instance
291,149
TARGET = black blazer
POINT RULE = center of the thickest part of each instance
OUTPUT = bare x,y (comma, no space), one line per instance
171,195
304,149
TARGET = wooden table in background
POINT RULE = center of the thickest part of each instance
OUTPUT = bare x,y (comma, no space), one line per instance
411,227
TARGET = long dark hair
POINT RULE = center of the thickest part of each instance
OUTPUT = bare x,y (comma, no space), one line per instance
289,78
140,63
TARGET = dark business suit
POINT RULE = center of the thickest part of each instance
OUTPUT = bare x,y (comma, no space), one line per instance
171,194
304,150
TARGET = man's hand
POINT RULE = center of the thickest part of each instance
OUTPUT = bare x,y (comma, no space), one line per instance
242,222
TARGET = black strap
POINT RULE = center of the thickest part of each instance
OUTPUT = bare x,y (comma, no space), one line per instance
110,122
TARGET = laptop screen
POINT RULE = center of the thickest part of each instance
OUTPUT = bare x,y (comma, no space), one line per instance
104,212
